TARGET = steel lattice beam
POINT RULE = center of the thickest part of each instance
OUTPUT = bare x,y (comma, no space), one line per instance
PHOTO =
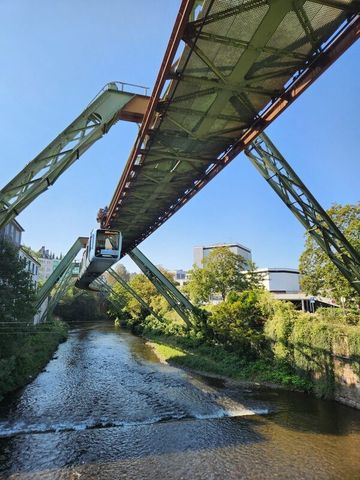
115,299
285,182
132,292
59,271
60,290
38,175
167,289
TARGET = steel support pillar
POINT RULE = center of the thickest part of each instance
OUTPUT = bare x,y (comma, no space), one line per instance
109,106
60,289
172,295
132,292
45,290
285,182
104,287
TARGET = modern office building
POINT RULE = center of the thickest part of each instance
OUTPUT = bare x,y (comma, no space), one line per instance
280,280
180,276
202,252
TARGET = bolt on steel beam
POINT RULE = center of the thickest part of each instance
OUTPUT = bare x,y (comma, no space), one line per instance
285,182
167,289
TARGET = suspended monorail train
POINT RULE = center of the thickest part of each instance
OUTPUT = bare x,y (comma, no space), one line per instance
102,250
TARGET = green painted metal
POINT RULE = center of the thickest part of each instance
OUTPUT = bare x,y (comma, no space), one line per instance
61,287
167,289
132,292
112,296
285,182
59,271
241,58
39,174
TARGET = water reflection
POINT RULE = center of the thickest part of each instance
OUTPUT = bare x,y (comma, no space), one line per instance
106,408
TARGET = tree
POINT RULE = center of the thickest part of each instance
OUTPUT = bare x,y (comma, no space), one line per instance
121,270
222,272
17,294
319,276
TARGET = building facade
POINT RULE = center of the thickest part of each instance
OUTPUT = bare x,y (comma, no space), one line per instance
31,265
48,263
200,253
12,232
280,280
180,276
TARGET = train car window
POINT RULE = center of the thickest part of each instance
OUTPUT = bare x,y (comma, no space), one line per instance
106,240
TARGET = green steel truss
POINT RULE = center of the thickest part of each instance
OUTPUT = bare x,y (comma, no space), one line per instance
39,174
132,292
113,297
172,295
281,177
243,63
59,271
61,287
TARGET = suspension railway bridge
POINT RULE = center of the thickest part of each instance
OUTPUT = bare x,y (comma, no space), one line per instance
231,67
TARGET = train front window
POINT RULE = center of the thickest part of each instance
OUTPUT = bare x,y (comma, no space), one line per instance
107,242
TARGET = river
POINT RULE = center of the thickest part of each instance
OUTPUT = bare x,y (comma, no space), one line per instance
105,408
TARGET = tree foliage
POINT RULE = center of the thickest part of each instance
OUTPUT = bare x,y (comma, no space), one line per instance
17,293
83,305
319,276
222,272
147,291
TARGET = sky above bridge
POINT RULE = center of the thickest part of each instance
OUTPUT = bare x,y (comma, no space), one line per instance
56,56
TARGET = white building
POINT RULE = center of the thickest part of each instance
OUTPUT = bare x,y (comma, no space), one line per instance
202,252
32,265
180,276
280,280
48,263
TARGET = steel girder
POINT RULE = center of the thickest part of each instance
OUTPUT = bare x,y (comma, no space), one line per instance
59,271
244,63
109,106
167,289
132,292
285,182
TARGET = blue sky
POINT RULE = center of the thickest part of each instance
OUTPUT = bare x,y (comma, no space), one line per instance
57,55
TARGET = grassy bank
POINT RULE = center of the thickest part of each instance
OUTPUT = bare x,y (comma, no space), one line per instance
186,353
24,352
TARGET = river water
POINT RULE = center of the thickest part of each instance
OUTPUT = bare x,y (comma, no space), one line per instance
105,408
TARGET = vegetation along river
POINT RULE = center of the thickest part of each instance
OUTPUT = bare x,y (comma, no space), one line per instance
106,408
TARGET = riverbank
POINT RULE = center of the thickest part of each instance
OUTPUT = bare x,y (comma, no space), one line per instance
216,361
25,350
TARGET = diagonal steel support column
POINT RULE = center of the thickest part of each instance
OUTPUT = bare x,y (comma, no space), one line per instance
60,289
106,289
59,271
277,172
172,295
105,296
132,292
108,107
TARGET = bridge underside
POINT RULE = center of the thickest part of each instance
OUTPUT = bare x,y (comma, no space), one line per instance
242,64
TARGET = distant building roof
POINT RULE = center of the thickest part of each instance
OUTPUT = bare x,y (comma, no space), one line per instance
27,254
218,245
